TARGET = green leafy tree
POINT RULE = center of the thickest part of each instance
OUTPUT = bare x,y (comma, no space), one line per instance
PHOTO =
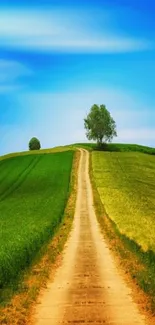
100,125
34,144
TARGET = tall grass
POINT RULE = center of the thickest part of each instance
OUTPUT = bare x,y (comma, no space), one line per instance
33,194
124,197
125,182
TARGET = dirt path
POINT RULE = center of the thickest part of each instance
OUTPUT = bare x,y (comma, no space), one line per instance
87,288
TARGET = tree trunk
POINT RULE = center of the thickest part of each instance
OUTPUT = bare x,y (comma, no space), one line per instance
99,142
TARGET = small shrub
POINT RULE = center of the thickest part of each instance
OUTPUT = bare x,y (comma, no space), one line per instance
34,144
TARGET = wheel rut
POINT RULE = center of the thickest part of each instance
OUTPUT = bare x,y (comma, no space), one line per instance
87,287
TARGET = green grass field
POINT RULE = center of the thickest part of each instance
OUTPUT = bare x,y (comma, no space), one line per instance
33,193
36,152
126,184
116,147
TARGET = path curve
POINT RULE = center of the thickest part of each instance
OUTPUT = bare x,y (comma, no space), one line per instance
87,288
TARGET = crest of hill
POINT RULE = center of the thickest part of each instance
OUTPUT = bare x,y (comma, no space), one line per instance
111,147
117,147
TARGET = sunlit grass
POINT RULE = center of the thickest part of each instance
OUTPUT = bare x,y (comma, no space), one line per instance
36,152
117,147
125,182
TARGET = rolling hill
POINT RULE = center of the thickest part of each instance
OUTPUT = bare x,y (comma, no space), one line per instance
33,193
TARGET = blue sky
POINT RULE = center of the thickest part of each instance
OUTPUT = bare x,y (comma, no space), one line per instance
58,58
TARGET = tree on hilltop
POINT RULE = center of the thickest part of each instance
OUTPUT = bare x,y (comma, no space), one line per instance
99,125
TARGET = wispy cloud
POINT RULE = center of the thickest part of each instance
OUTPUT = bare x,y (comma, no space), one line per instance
10,73
64,32
11,70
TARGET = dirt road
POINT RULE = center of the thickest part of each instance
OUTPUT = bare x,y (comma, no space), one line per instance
87,288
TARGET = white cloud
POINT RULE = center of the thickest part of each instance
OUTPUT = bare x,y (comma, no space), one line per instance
10,72
62,31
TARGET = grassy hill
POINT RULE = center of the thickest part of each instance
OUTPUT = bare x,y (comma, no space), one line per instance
35,152
34,189
124,175
116,147
125,182
123,178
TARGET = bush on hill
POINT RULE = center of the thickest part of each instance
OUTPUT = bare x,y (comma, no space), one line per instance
34,144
